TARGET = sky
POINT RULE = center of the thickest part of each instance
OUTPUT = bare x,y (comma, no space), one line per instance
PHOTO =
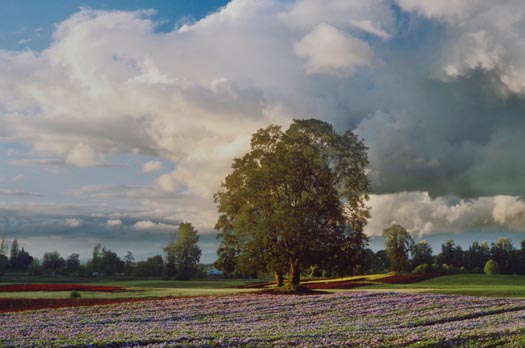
119,119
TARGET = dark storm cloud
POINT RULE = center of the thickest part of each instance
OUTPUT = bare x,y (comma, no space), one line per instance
461,138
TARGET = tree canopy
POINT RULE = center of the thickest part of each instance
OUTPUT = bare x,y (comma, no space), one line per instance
398,244
297,199
185,251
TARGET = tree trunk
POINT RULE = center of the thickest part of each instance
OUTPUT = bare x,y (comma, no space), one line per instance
294,276
279,280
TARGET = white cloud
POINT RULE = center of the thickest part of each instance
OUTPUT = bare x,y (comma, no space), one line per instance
73,223
422,215
114,223
329,50
83,156
148,225
152,166
510,212
483,34
372,17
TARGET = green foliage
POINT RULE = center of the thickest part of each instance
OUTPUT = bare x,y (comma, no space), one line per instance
52,262
451,254
476,256
72,263
504,253
398,243
129,263
422,268
492,267
104,262
35,269
4,264
74,294
152,267
171,258
421,254
3,245
186,252
297,199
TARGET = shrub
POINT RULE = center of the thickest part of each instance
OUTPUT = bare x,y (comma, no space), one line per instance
74,294
491,267
422,269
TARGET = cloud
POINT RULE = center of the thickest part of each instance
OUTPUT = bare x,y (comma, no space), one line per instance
482,34
329,50
423,215
72,223
110,84
147,225
40,228
114,223
82,155
5,192
510,212
152,166
434,88
373,17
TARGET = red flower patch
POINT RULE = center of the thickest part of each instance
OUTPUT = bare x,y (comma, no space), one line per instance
58,287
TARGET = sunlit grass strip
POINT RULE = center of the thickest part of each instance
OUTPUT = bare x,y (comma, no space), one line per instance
368,277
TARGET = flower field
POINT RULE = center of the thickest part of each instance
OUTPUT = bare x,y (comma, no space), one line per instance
356,319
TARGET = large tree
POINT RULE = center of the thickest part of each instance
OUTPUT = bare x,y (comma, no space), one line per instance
398,244
297,199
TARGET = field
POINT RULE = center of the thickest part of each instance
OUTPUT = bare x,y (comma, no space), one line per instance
372,314
357,319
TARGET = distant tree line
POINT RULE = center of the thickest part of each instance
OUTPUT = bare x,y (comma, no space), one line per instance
180,261
402,254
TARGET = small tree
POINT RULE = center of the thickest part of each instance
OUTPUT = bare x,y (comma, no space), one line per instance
451,254
421,254
398,244
4,261
72,263
14,255
53,262
129,263
171,257
187,252
491,267
152,267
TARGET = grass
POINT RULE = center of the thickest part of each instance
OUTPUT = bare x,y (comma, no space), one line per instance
131,293
464,284
142,289
368,277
